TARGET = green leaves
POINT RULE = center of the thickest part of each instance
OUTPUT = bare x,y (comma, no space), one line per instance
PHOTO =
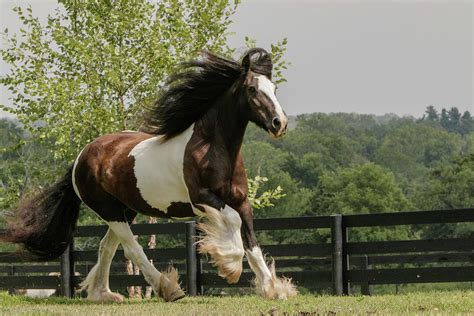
91,68
265,198
277,50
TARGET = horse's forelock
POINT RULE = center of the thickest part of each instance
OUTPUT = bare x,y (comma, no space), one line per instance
258,60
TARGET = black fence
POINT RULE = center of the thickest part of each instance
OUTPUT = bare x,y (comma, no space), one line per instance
335,266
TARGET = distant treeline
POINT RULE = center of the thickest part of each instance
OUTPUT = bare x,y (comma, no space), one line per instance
354,163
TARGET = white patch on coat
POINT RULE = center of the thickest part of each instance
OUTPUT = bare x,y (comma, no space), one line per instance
266,86
159,170
74,185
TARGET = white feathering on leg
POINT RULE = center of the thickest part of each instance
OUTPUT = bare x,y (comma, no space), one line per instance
267,284
222,241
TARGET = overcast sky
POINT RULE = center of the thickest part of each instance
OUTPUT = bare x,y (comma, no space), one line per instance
355,56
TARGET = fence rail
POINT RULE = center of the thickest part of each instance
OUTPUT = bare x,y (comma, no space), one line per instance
336,265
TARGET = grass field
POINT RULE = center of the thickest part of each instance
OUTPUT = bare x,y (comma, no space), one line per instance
444,303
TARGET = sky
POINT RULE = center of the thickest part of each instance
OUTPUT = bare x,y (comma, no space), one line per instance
373,57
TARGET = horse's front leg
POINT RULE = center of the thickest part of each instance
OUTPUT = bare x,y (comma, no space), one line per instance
266,282
221,240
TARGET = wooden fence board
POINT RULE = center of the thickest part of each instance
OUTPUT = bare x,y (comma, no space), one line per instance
30,282
309,222
13,257
417,258
137,229
404,246
409,218
152,254
412,275
121,281
303,250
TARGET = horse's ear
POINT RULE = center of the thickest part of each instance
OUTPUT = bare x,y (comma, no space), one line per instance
246,62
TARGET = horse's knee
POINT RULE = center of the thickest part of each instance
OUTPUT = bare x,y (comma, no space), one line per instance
132,252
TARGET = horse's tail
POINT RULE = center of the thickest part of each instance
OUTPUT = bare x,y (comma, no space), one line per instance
45,222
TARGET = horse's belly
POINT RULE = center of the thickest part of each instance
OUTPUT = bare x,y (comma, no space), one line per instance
158,169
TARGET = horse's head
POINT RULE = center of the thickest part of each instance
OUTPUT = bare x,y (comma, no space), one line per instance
259,92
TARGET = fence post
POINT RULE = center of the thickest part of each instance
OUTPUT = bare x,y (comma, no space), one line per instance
200,288
365,287
11,290
191,262
67,271
337,251
345,259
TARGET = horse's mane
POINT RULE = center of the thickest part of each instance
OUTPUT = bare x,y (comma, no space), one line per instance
193,89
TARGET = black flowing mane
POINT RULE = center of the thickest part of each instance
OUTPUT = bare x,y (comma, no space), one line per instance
189,93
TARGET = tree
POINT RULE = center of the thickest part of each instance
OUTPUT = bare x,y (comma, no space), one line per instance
95,65
431,114
411,149
450,186
23,163
467,123
454,120
264,159
367,188
444,119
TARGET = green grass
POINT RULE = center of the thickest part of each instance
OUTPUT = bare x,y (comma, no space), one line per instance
446,303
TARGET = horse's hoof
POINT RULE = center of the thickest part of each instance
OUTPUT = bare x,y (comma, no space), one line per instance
170,290
106,297
176,295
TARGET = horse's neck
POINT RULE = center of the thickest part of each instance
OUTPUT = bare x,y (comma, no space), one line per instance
227,122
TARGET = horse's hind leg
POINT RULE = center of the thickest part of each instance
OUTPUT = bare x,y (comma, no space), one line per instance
97,281
164,285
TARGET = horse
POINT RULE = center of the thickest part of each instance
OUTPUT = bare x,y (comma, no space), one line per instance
184,161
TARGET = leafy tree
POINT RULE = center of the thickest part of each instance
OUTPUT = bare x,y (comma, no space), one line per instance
366,188
450,186
454,120
431,114
467,123
264,159
411,149
266,198
23,164
444,119
95,65
363,189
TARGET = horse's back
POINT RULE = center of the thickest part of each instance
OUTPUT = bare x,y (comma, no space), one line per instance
134,170
107,154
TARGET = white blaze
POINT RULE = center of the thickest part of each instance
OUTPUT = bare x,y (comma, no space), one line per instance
266,86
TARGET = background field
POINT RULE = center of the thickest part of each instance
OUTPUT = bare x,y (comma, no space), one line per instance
454,302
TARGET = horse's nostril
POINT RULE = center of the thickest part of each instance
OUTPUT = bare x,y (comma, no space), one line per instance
276,122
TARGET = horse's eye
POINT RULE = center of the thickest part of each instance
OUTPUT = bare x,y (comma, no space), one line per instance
252,90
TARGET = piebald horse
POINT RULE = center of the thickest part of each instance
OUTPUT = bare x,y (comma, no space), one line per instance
185,162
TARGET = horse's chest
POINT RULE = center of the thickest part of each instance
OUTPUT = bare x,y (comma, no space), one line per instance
158,170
